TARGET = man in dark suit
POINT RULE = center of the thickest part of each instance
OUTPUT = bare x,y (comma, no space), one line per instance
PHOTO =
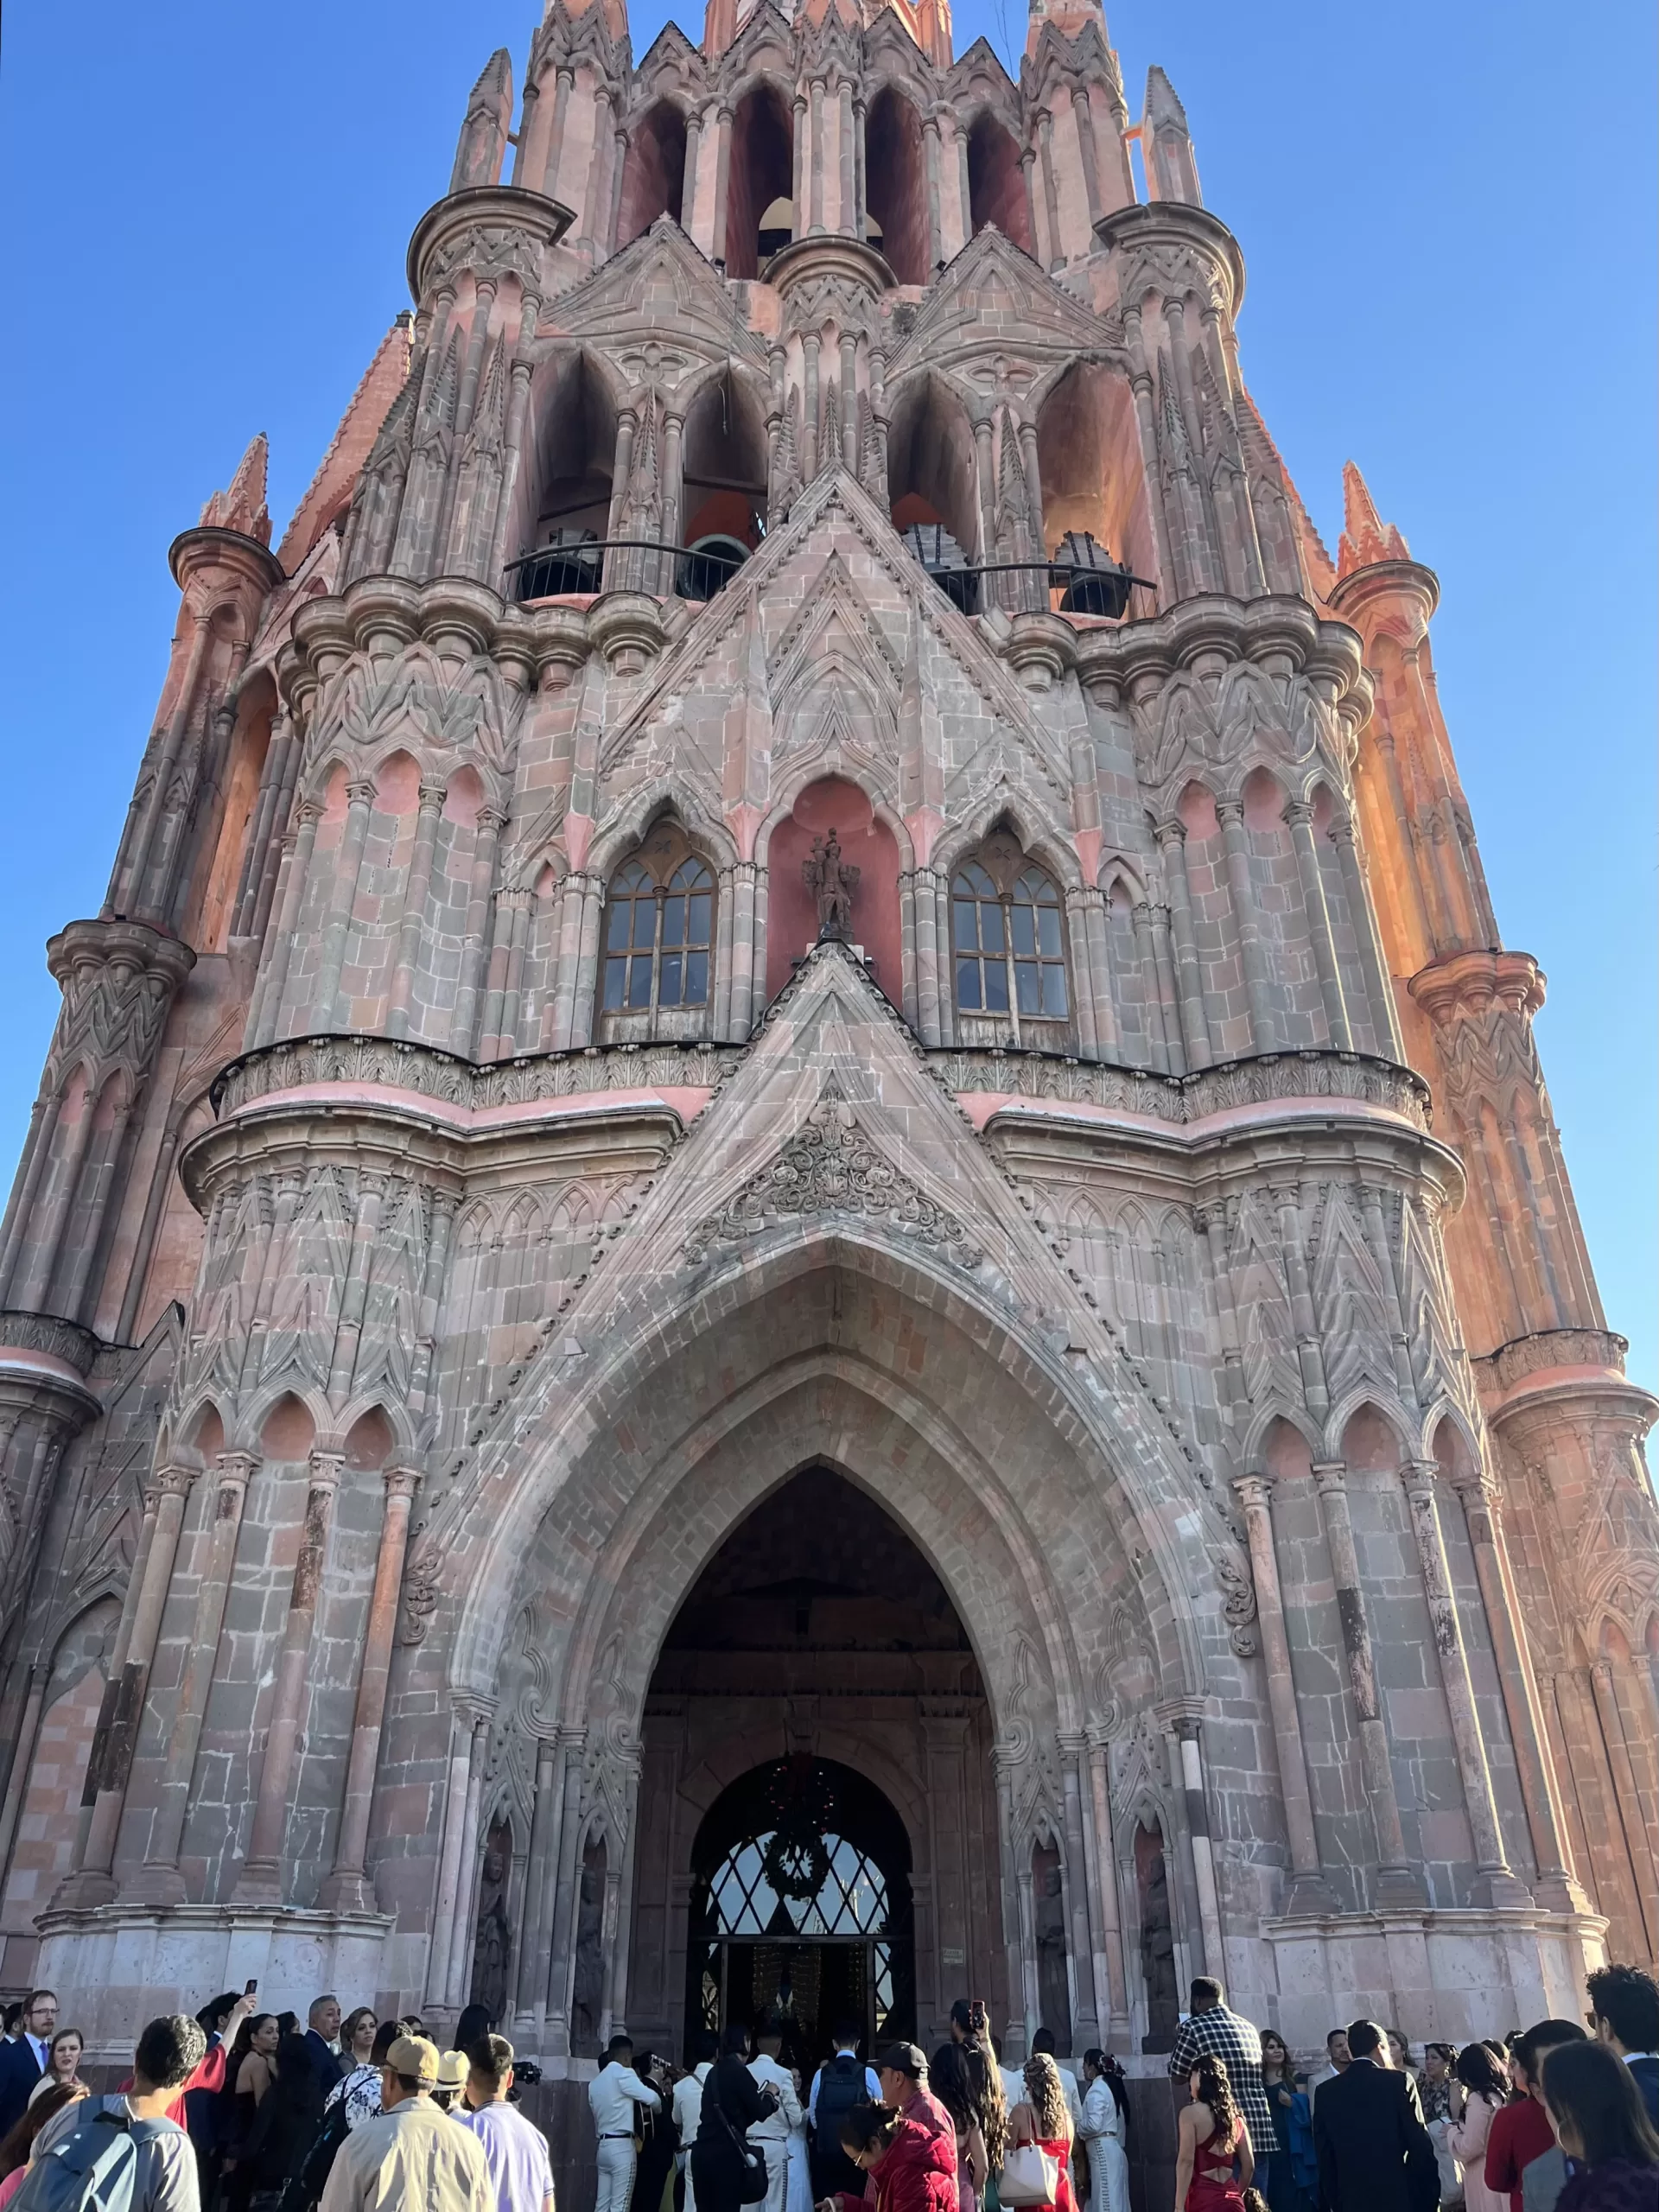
321,2041
24,2062
1375,2153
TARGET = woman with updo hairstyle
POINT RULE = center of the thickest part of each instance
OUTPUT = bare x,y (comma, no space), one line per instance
1485,2093
970,2031
1214,2164
1105,2133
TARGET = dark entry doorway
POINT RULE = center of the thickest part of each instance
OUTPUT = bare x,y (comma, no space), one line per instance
800,1912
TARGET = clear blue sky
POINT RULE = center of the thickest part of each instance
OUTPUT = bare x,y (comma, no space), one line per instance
1448,214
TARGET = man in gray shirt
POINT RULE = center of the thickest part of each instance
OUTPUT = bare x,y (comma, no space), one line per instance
164,2178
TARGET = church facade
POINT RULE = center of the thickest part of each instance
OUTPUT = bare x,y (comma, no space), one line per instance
793,1245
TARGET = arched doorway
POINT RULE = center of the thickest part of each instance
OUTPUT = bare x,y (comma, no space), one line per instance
800,1913
817,1834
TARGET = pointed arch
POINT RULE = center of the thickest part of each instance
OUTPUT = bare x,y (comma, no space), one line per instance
653,171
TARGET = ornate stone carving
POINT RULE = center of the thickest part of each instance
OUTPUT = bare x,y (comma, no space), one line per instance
1238,1602
830,1166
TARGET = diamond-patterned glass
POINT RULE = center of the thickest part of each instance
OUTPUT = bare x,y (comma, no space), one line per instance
851,1900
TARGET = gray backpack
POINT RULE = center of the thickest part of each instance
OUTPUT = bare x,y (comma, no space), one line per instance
97,2167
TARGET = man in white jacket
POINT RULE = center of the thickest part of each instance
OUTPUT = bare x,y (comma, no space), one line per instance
770,2136
612,2095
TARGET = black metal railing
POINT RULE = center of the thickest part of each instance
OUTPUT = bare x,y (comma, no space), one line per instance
1085,588
689,571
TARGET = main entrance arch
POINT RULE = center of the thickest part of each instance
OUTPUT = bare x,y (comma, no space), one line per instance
816,1801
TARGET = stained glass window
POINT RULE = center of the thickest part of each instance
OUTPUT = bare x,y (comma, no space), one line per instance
850,1899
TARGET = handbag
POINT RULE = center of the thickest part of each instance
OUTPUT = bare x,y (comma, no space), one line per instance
1029,2176
751,2164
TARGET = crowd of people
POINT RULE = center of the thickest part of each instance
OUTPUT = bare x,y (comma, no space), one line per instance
244,2111
1561,2119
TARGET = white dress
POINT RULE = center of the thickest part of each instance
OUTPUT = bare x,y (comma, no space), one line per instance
1108,2165
798,2197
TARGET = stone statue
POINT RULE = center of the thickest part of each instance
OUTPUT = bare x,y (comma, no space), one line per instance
492,1934
1158,1958
832,883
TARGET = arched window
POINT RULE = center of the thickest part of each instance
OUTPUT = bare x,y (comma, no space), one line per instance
1008,947
820,1884
655,977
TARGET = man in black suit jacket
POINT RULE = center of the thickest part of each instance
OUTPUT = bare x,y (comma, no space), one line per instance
319,2035
22,2062
1375,2153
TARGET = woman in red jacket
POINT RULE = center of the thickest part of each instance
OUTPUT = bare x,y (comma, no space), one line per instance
913,2169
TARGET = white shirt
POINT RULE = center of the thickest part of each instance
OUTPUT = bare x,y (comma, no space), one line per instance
1073,2096
612,2094
775,2127
872,2087
1014,2089
688,2103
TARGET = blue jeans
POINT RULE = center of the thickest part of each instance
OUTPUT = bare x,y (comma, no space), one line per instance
1263,2178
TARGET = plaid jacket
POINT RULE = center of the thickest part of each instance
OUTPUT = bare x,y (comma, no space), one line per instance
1237,2044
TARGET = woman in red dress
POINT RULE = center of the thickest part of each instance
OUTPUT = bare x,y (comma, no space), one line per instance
1045,2119
1213,2161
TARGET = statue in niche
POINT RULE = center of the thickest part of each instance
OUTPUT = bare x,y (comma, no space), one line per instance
1048,1914
588,1995
1157,1943
832,883
493,1932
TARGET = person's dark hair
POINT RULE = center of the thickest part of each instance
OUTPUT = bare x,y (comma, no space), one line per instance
1477,2069
1042,2043
734,2044
846,2031
170,2051
1364,2037
1397,2036
1627,1998
34,1997
384,2035
951,2083
1449,2052
476,2022
1112,2074
297,2089
287,2024
704,2047
492,2058
212,2014
1330,2035
1590,2089
1548,2035
348,2026
868,2127
618,2047
1215,2089
243,2043
969,2014
15,2144
12,2018
1204,1993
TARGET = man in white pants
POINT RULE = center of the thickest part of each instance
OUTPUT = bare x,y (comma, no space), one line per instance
770,2136
612,2095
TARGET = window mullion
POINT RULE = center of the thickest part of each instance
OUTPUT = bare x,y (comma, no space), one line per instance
656,956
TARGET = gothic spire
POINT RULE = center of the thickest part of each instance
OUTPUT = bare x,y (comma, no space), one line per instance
1365,536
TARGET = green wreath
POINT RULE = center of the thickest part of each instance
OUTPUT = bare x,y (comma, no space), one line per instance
795,1864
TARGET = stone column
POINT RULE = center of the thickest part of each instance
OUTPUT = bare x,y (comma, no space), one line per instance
471,1845
475,952
1379,990
91,1882
265,1014
861,189
260,1882
1398,1884
342,900
1299,819
1084,119
846,197
1103,1874
722,181
1158,966
1236,842
412,928
567,1894
563,78
1627,1794
1496,1882
1022,1997
347,1888
1309,1891
1203,1857
159,1881
1086,2023
935,233
927,955
815,158
596,200
1028,163
688,176
1195,1020
1050,195
1556,1886
539,1882
464,1732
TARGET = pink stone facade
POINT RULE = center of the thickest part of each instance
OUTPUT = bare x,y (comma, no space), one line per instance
465,1199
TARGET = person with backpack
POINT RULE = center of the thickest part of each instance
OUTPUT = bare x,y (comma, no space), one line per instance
839,2084
124,2153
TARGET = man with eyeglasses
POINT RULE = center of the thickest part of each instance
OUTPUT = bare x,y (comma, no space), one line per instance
22,2062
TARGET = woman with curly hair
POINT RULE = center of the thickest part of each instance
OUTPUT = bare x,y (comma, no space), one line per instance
1043,2117
970,2031
1214,2164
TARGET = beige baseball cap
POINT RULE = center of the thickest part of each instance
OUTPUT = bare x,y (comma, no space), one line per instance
416,2057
